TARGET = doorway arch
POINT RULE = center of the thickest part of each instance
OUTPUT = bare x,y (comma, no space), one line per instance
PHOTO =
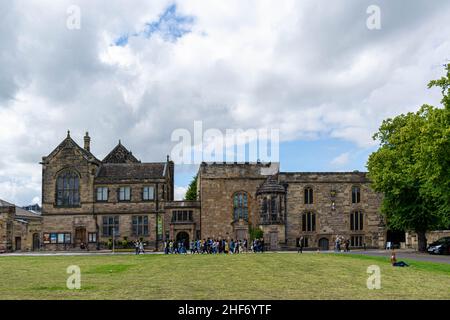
184,237
36,241
324,244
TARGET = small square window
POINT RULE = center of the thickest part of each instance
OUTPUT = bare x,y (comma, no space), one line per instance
148,193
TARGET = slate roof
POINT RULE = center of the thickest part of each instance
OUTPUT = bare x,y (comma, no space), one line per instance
120,154
19,211
111,172
271,185
68,142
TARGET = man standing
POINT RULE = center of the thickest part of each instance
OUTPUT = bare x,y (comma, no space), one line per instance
300,245
136,247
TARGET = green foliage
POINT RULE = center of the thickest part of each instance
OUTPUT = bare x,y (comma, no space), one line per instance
191,193
412,166
255,233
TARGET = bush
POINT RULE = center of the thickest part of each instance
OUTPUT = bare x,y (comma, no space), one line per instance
255,233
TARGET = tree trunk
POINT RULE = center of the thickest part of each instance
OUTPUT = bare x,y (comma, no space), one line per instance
421,241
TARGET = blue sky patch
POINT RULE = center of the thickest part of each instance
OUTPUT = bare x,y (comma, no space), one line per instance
170,26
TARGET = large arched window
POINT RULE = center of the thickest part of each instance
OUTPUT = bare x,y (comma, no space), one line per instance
240,205
68,189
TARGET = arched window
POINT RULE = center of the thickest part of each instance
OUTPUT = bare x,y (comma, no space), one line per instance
240,204
264,206
308,195
356,221
356,194
68,189
308,222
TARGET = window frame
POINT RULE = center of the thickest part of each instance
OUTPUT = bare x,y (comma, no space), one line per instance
356,220
115,224
240,205
103,194
356,194
308,195
91,235
150,197
140,228
119,194
309,221
67,195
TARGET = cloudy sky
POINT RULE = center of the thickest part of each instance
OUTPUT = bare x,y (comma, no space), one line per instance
138,70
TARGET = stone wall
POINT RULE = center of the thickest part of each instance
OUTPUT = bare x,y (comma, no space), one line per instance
332,209
172,228
218,183
6,224
432,236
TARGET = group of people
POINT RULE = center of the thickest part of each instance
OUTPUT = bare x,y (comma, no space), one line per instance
213,246
139,247
341,241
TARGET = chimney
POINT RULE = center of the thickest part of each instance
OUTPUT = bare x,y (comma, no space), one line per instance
87,142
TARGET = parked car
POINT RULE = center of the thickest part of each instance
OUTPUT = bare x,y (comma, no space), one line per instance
441,246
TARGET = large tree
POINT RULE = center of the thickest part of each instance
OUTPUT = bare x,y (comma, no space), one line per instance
191,193
412,167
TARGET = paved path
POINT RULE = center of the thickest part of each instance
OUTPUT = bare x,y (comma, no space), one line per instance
401,254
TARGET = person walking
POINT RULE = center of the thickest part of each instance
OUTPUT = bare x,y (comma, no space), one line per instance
141,247
136,247
300,245
347,245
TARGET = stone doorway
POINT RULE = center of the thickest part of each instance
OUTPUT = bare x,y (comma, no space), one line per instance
324,244
80,236
36,241
183,237
18,243
241,234
273,238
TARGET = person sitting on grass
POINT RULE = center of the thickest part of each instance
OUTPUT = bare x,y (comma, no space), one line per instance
396,263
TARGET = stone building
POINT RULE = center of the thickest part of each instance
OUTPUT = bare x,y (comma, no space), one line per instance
20,229
288,206
87,202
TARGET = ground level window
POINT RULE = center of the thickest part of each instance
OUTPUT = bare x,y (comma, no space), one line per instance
110,224
140,225
356,241
57,238
92,237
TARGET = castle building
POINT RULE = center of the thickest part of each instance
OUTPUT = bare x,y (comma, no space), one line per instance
87,202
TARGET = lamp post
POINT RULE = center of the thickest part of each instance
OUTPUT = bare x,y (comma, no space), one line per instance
114,238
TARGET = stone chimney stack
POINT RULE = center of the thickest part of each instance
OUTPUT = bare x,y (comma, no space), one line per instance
87,142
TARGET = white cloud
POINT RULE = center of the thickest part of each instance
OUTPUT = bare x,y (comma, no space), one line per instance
310,68
180,192
341,160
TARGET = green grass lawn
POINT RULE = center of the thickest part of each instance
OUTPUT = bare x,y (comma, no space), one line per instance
245,276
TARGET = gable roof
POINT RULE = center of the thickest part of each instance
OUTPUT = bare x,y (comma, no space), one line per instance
113,172
120,154
20,213
69,143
